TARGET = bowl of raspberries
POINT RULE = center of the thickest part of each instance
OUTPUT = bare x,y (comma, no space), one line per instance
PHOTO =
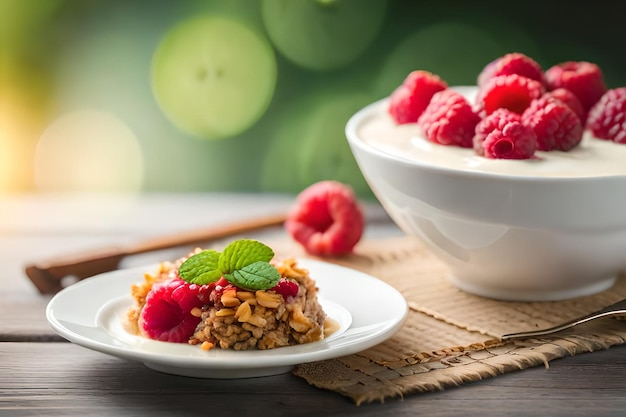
517,183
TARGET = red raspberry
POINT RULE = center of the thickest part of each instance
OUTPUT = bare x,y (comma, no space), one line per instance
408,101
449,120
496,120
287,288
513,92
584,79
556,125
607,118
218,289
569,98
326,219
166,316
512,63
514,141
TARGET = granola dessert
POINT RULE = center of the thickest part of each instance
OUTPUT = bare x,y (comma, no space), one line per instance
241,298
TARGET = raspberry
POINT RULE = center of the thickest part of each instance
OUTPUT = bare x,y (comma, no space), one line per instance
449,120
326,219
556,125
584,79
166,316
513,92
512,63
569,98
287,288
607,118
501,135
217,290
514,141
408,101
496,120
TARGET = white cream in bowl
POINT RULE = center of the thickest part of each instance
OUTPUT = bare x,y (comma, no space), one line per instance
550,228
593,157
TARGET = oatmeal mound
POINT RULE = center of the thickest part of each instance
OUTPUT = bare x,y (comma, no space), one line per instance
223,315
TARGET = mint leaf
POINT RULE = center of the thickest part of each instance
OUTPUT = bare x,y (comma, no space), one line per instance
255,276
242,253
244,263
201,268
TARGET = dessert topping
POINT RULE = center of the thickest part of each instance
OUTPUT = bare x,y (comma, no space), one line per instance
512,63
409,100
607,118
501,135
584,79
555,124
449,119
244,263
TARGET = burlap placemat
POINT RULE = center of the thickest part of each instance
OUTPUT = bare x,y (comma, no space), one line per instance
451,337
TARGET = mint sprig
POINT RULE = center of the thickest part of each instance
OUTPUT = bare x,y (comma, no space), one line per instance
201,268
244,263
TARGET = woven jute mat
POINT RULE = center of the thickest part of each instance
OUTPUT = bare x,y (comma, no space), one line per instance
451,337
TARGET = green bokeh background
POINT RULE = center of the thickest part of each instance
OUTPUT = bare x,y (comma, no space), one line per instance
62,55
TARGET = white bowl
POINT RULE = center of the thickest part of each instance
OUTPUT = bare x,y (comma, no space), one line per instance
523,237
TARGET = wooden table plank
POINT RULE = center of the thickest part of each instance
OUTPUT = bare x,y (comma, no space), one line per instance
65,379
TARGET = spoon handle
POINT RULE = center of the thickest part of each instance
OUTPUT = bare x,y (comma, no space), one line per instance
618,308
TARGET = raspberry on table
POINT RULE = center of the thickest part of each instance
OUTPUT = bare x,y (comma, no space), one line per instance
513,92
326,219
584,79
449,119
569,98
555,124
408,101
512,63
607,118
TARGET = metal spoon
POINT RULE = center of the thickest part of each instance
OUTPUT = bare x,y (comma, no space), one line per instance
616,309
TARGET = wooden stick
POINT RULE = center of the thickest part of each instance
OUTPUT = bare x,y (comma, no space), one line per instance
48,275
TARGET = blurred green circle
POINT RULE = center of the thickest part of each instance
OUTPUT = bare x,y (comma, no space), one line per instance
213,77
323,34
309,144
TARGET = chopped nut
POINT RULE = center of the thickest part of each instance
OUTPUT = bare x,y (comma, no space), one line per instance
246,296
299,322
257,321
225,312
269,300
244,312
230,301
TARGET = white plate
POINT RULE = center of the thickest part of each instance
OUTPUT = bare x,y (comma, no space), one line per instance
89,314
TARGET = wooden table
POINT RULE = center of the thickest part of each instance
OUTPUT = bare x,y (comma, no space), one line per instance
41,374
